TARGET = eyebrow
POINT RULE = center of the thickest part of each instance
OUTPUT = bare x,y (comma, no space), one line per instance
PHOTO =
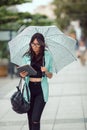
36,43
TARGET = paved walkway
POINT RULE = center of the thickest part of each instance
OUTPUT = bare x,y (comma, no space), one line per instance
66,108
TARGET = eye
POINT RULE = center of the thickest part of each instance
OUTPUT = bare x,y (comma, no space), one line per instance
35,44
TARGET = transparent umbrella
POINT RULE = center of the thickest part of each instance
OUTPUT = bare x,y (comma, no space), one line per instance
61,46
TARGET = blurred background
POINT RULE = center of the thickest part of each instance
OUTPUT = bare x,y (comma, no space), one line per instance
69,15
67,105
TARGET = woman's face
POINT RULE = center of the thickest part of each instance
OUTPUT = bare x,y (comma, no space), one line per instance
35,46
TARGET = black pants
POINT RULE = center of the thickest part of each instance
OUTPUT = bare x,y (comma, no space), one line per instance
36,105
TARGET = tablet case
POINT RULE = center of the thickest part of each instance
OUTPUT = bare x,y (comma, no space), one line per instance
27,68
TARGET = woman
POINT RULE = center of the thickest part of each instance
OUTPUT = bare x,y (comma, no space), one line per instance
81,53
38,84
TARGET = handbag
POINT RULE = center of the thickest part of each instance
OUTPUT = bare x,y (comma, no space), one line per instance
18,102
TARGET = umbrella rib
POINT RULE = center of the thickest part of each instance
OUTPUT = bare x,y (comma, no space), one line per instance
36,30
54,35
46,32
54,61
64,47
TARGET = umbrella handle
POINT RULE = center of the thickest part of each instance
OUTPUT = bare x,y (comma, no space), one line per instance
43,73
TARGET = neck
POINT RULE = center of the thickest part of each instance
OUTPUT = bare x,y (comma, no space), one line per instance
36,53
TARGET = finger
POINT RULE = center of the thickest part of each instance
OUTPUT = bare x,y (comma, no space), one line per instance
23,74
24,71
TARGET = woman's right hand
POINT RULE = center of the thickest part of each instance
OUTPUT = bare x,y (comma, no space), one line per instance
23,74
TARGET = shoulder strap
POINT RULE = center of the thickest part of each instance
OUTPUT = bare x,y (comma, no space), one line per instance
43,73
43,60
19,87
20,84
27,92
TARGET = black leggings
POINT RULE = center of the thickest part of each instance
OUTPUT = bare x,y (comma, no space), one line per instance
36,105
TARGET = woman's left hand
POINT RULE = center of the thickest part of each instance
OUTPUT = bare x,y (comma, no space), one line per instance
48,74
43,69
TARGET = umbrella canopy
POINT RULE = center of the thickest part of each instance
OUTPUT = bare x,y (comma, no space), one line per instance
61,46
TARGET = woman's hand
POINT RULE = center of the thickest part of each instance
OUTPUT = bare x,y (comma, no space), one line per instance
23,74
48,74
43,69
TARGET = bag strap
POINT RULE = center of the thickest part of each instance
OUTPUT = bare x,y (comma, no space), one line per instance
43,63
19,87
43,60
20,83
27,92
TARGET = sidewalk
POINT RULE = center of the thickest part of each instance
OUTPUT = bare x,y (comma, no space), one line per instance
66,108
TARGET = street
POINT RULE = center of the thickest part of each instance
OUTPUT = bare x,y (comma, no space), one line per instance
66,108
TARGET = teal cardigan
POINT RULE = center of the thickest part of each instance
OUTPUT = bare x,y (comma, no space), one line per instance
44,81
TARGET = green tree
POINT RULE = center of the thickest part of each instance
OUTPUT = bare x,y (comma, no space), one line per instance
12,2
67,10
9,19
13,21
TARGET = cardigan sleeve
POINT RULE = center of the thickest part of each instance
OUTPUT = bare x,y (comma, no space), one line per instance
23,60
50,64
49,61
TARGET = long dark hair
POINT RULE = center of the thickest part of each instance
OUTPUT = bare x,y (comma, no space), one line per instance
41,41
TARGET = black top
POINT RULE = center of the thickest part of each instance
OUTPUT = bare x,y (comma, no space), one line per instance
37,66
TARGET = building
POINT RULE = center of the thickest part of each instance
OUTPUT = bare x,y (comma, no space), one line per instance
47,10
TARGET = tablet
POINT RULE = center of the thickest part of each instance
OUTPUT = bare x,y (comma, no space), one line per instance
27,68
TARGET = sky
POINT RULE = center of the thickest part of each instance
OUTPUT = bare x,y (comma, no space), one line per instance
29,7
